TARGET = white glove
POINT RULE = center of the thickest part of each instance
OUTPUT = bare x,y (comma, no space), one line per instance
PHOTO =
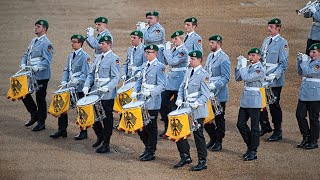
142,25
35,68
305,57
179,102
308,3
104,89
85,90
123,77
168,45
133,95
75,81
64,83
146,93
242,61
212,86
90,31
194,105
138,75
23,66
312,9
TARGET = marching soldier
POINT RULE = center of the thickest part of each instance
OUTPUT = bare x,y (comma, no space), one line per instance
314,35
104,77
194,90
274,53
74,74
151,84
39,57
251,101
192,40
177,59
154,33
218,67
309,98
135,56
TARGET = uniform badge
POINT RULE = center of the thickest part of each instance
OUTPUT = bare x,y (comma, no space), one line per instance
192,19
151,46
88,59
315,47
157,31
117,61
199,41
177,33
207,79
316,67
49,48
194,54
257,71
41,22
181,54
79,37
163,70
286,47
136,33
103,20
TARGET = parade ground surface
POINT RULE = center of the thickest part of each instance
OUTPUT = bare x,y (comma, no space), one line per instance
242,23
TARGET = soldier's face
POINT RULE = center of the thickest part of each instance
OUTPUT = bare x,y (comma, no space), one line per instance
314,54
39,29
214,45
254,58
135,40
150,54
195,62
104,46
75,44
189,27
151,20
273,29
101,27
177,41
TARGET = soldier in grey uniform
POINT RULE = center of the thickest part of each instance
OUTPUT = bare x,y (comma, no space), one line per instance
251,101
153,33
74,75
309,98
104,77
39,57
218,67
150,85
177,60
192,40
314,35
135,56
274,56
194,90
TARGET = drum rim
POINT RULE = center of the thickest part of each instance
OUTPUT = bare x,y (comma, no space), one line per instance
62,90
126,105
90,96
172,113
122,91
21,73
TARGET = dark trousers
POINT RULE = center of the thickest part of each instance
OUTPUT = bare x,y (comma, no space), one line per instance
166,105
217,129
39,109
313,109
149,134
250,137
275,111
105,131
63,119
184,147
309,43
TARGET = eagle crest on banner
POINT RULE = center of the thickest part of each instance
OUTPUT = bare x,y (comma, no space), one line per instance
15,86
83,116
129,119
58,103
176,126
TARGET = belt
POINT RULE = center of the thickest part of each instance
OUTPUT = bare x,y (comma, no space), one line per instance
148,87
215,78
102,79
192,97
252,88
35,61
76,74
316,23
136,68
178,69
271,66
313,79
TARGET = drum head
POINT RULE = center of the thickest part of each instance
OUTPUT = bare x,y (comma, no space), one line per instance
91,99
126,87
21,74
63,90
180,111
133,104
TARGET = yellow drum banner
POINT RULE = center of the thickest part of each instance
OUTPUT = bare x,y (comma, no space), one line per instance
85,116
122,99
60,103
131,120
18,88
210,117
178,127
264,97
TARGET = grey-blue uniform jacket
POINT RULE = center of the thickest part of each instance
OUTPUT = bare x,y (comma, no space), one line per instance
93,42
105,72
193,42
40,54
153,79
276,55
315,28
177,59
194,89
310,86
219,73
155,34
134,61
77,68
253,76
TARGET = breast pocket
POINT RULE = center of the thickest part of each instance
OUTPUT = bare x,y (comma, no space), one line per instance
273,56
151,78
313,88
216,69
77,68
104,72
36,53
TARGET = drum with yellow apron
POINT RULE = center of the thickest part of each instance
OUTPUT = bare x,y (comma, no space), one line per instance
210,117
89,110
123,96
63,100
179,124
22,84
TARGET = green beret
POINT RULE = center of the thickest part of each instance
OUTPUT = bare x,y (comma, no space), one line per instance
151,47
275,21
215,37
105,38
195,53
191,19
43,23
101,20
137,33
254,50
315,46
152,13
78,36
177,33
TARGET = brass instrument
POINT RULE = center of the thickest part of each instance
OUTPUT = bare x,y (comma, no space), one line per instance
216,104
306,8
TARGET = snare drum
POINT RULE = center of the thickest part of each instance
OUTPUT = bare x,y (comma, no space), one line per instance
132,119
62,101
179,124
89,110
123,96
22,84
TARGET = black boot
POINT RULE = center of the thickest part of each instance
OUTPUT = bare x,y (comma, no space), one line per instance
217,146
200,166
304,142
265,130
59,133
104,148
312,145
40,126
144,153
34,119
185,159
251,156
82,135
149,156
277,133
98,131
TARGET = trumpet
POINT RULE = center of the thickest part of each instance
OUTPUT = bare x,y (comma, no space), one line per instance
306,8
271,98
216,104
141,25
